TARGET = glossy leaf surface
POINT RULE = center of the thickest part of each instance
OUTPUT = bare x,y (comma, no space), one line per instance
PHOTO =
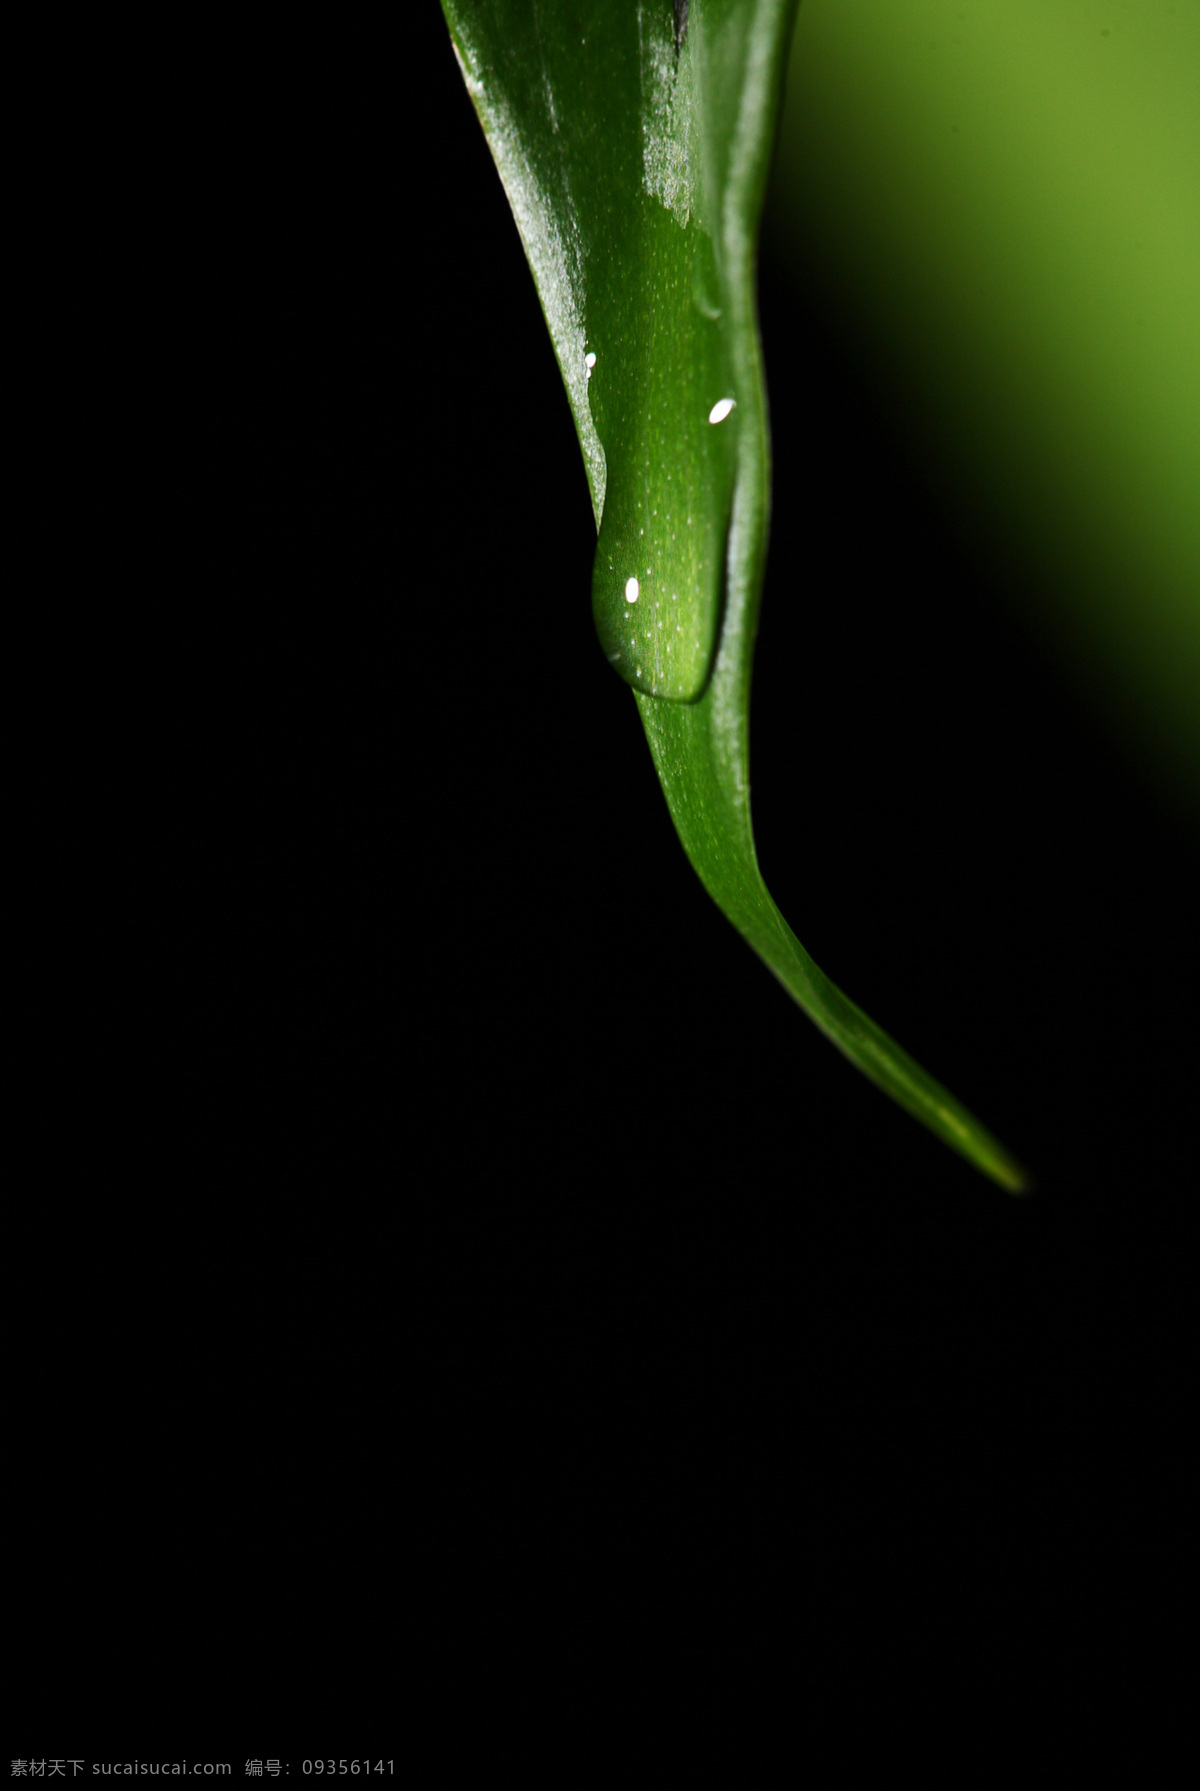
633,142
617,131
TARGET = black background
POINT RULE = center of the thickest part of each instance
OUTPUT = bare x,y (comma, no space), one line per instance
443,1196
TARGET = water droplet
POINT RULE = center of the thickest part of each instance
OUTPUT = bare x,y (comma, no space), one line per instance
721,410
632,590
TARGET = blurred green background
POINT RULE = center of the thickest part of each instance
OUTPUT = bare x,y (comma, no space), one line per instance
998,202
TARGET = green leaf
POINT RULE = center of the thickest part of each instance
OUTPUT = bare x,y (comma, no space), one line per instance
633,142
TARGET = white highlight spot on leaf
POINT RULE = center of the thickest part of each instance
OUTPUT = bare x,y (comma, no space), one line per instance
721,409
633,590
591,362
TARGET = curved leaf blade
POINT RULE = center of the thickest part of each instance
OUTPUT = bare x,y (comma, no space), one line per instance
701,756
610,125
633,143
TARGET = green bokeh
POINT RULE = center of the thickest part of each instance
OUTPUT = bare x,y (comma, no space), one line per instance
1002,203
